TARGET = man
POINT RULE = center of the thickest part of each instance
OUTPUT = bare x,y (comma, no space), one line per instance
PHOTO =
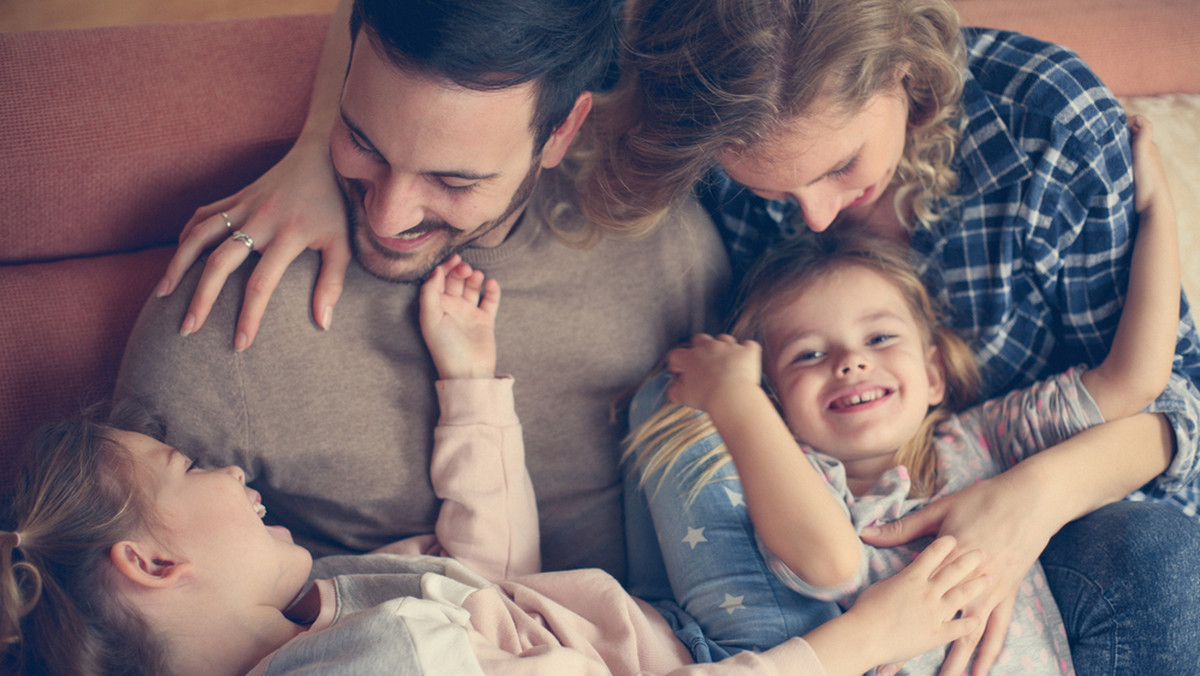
453,120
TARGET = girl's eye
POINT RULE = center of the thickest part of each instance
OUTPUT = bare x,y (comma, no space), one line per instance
845,168
880,339
807,356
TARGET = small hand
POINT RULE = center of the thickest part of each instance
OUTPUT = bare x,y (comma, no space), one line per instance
711,365
458,320
918,609
294,206
986,516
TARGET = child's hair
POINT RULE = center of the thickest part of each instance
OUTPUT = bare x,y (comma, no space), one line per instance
78,493
703,78
774,282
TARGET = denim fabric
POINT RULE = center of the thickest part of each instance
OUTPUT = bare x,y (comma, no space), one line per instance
720,584
1128,588
1124,577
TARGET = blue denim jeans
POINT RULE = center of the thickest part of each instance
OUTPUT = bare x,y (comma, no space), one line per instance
1127,581
716,591
1126,577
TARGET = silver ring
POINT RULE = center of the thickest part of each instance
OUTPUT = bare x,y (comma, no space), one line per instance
228,222
244,239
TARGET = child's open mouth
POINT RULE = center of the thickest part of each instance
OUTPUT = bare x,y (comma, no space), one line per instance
859,398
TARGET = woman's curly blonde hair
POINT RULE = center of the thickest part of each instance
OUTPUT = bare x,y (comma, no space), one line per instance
702,78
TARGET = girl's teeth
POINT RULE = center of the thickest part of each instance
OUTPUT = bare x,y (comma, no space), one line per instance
855,399
260,510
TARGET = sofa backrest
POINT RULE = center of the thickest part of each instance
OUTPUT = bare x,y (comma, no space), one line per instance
1138,48
110,138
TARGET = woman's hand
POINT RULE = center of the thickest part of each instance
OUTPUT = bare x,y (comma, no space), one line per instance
997,516
294,206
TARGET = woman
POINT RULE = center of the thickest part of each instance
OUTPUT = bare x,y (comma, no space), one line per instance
1003,164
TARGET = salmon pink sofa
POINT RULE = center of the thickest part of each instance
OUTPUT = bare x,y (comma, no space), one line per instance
111,137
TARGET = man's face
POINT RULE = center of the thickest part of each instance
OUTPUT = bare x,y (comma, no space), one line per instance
427,167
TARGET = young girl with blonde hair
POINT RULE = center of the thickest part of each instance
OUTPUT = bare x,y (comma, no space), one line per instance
861,381
124,557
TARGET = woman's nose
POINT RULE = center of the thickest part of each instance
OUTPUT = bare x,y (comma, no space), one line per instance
819,210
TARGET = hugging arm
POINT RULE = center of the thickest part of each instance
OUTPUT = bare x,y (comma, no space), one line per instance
794,512
1139,362
900,617
294,206
1012,516
908,614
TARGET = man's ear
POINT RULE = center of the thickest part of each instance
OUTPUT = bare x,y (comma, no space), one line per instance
556,146
146,565
936,367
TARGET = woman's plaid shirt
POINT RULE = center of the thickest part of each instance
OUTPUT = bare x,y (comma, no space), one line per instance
1032,252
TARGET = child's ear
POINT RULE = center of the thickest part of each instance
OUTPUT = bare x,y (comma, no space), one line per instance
936,367
147,565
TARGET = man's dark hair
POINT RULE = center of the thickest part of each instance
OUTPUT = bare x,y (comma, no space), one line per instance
565,47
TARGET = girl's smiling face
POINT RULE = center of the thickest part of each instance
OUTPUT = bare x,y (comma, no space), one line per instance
854,373
210,523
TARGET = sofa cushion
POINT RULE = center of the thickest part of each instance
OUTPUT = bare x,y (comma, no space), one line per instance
111,137
1176,120
63,326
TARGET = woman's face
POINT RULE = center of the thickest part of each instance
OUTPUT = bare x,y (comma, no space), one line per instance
830,163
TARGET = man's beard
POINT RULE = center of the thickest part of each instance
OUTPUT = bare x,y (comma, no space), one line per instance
383,262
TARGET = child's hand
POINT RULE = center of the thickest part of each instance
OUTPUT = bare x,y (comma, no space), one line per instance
917,609
1149,175
712,366
458,320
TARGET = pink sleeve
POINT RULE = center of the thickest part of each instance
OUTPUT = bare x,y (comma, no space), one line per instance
582,622
488,519
793,657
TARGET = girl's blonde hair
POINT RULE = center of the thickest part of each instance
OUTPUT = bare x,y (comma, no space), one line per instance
77,495
774,282
702,78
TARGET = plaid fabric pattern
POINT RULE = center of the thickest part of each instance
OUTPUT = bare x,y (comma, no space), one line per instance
1031,255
